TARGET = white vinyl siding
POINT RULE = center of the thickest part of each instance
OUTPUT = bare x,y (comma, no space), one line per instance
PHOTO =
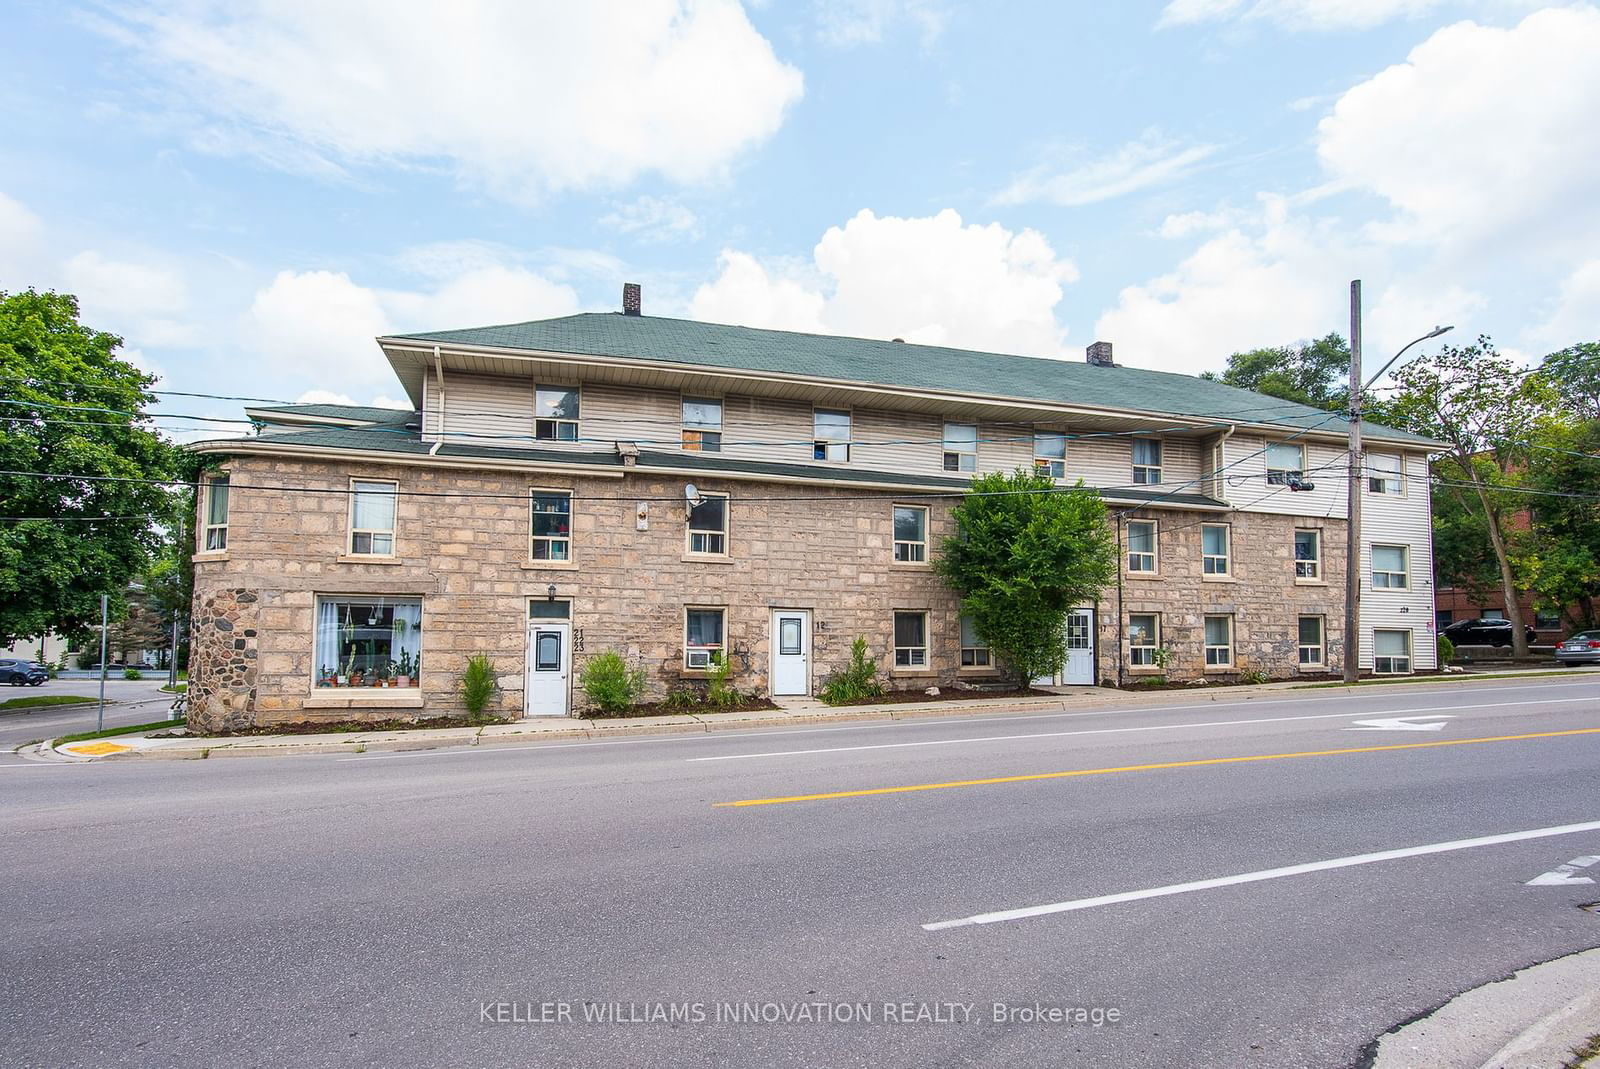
1398,520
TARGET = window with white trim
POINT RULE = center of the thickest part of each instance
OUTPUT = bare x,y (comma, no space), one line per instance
1219,641
1391,653
1310,641
1215,548
708,526
704,639
1307,554
974,651
960,447
1286,463
1144,639
1390,569
1146,461
550,525
372,509
1050,454
910,534
1141,545
830,435
367,640
1383,474
555,412
910,639
702,424
216,526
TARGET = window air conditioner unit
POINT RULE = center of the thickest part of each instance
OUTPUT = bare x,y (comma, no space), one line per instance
699,658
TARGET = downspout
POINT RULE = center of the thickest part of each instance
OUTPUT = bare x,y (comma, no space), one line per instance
1121,678
438,372
1221,483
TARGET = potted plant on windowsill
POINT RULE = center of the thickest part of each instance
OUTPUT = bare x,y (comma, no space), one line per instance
325,677
416,670
402,669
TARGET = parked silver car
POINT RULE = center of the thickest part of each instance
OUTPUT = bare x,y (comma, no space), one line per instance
1582,648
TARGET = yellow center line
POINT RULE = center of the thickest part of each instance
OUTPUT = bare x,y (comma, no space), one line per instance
865,792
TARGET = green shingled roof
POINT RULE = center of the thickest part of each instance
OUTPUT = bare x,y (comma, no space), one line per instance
363,413
889,363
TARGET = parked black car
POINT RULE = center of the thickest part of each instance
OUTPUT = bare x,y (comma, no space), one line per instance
22,673
1484,633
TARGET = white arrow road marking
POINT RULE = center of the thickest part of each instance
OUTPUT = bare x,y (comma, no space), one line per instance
1403,723
1562,875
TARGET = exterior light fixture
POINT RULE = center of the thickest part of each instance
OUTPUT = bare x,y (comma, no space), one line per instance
550,591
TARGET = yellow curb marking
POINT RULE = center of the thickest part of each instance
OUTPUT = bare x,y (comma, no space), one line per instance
97,749
1143,768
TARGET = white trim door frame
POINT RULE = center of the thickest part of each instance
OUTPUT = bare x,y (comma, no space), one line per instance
791,653
546,688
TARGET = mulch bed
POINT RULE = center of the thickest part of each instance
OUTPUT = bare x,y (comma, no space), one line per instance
754,705
899,697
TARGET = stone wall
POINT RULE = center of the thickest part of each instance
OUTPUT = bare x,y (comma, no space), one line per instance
222,659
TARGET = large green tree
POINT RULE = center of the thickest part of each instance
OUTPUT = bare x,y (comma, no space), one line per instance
70,411
1027,551
1308,372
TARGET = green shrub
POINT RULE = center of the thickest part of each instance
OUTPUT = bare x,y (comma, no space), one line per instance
478,684
611,686
132,673
718,694
857,681
683,699
1255,677
1447,651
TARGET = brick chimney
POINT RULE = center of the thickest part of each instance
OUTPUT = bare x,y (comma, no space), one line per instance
630,299
1099,354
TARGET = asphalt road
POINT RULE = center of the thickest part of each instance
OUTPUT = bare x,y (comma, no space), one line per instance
129,701
385,909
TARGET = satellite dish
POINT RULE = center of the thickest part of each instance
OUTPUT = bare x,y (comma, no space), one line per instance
691,493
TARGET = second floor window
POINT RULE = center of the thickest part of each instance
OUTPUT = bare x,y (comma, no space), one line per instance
1050,455
555,413
1286,462
702,424
1146,461
1308,554
1389,569
1141,545
1214,552
960,447
910,534
708,526
216,531
552,526
830,435
1383,474
372,518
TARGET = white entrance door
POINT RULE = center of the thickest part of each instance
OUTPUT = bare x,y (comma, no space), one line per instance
1079,668
549,654
791,651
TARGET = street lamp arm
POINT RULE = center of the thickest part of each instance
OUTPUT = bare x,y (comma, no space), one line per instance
1434,333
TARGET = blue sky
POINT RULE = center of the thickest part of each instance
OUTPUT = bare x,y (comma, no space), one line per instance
248,193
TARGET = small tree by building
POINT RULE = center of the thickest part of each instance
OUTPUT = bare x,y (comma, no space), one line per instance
1026,552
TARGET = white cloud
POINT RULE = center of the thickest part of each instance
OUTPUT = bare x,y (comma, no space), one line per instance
518,97
1484,135
1575,313
855,22
653,219
1295,14
21,245
1149,161
143,301
931,279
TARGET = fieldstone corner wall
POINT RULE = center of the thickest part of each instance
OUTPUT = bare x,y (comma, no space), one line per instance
222,660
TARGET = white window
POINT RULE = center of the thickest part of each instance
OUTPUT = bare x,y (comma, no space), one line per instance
1219,641
960,447
1286,462
372,518
216,526
910,639
1215,548
555,411
550,526
1308,554
1492,614
702,424
1050,455
910,534
1389,571
1383,474
708,526
1146,461
1391,652
368,640
1144,639
703,641
1141,545
830,435
974,651
1310,641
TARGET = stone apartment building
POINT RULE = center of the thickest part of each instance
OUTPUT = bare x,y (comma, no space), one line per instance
679,491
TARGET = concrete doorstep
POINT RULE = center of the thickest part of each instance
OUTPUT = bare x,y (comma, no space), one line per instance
1533,1019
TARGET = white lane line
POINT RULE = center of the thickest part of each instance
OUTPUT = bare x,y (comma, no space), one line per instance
933,721
1257,877
1112,731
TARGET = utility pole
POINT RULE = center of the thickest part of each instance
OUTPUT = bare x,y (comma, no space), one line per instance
105,627
1352,513
172,656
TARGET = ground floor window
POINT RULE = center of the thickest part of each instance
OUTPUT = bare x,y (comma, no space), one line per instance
703,640
910,639
1391,652
1144,638
368,641
1310,641
974,651
1545,620
1219,641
